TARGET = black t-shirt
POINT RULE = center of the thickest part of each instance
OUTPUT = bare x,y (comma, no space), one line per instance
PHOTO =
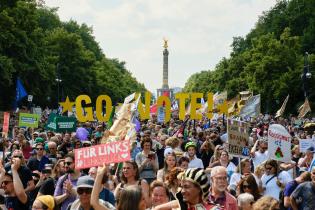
48,187
24,173
13,203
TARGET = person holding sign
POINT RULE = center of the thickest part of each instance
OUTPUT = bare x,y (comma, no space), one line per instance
261,154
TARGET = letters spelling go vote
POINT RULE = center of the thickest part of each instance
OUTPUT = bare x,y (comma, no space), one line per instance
86,114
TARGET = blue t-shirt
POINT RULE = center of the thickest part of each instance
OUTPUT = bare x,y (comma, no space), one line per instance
289,188
107,195
304,196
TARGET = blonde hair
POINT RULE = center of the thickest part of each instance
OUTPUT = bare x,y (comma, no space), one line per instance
266,203
173,142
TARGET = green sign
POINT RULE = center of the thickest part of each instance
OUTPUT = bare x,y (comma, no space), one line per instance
28,120
61,124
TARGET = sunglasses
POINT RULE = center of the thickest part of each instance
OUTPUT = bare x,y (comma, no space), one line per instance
246,186
18,157
68,163
268,168
82,190
6,182
39,149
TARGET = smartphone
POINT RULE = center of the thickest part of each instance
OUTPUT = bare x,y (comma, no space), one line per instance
151,156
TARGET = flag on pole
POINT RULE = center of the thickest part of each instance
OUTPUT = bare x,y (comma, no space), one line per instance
20,92
281,110
304,109
111,118
251,107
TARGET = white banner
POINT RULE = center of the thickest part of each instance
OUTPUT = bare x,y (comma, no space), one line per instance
306,143
279,143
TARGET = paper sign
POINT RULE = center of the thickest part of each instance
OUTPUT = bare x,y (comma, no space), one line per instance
114,152
238,138
306,143
6,121
279,143
28,120
161,114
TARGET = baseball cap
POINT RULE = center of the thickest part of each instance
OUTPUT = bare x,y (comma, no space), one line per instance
85,181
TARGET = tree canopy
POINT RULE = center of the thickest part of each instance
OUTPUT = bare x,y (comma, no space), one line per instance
37,47
269,60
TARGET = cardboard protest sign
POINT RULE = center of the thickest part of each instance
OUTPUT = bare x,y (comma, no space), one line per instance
306,143
51,122
238,137
6,121
279,143
28,120
114,152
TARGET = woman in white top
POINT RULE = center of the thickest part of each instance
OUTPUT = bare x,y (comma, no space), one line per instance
273,179
224,161
169,164
242,170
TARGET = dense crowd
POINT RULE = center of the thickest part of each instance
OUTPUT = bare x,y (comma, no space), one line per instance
175,165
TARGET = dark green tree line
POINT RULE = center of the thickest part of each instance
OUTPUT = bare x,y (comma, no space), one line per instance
38,48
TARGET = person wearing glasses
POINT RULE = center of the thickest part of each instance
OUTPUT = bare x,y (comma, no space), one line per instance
84,189
261,155
24,172
38,162
273,180
249,185
219,196
303,196
16,197
65,192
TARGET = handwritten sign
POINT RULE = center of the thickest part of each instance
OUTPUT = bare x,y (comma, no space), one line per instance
279,143
114,152
238,138
306,143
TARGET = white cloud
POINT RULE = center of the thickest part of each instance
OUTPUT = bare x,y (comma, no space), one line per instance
199,32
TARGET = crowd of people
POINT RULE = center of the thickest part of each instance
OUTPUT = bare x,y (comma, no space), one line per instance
175,165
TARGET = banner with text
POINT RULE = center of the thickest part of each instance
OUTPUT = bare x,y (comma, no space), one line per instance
6,122
114,152
306,143
279,143
238,137
28,120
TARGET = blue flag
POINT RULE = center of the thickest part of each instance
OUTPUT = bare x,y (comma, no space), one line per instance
20,92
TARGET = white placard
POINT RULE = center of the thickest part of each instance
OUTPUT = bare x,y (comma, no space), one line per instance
279,143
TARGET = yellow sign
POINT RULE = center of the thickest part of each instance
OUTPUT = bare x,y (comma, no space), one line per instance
85,114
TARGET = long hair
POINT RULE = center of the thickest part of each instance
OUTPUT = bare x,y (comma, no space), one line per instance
165,164
130,198
135,167
251,181
266,203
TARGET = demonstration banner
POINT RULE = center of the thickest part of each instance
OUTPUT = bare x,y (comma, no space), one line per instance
238,137
28,120
251,107
6,122
279,143
114,152
304,144
61,123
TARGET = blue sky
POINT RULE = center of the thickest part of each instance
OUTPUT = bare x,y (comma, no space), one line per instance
200,32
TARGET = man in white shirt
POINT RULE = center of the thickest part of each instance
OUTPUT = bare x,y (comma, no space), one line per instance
194,162
261,154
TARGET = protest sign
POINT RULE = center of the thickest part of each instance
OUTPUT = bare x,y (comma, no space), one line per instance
114,152
306,143
61,123
279,143
161,114
6,121
28,120
251,108
65,124
238,138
